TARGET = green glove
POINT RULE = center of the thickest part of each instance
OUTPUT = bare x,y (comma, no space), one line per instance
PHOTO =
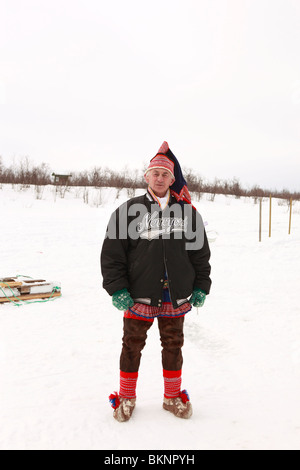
197,298
122,300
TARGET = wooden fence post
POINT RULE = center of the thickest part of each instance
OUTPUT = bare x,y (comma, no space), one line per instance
290,221
270,216
259,229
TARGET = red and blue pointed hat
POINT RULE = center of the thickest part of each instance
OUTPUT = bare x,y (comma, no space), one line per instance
179,188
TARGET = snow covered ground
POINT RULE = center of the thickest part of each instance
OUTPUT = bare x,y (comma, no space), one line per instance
59,360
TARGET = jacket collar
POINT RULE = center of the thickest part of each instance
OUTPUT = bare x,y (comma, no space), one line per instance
155,199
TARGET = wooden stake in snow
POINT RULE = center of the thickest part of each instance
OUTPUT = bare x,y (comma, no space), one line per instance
259,229
270,216
290,221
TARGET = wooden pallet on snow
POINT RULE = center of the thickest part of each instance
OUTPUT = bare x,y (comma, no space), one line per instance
23,288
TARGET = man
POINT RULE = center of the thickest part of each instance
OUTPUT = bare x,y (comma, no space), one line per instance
154,257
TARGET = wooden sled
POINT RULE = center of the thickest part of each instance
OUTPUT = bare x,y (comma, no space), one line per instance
23,288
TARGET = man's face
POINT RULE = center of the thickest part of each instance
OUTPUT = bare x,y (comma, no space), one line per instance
159,181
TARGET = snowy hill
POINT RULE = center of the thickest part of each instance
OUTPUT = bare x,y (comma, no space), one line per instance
59,360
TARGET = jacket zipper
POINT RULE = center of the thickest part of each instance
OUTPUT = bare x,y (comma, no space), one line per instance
166,269
165,261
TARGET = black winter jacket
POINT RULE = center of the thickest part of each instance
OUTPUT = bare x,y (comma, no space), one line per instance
143,244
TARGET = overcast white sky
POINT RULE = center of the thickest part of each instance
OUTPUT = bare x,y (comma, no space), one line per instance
92,82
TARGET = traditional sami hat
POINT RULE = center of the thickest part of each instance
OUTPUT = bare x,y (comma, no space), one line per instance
163,162
179,187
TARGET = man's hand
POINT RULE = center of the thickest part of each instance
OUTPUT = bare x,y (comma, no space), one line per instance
122,299
197,298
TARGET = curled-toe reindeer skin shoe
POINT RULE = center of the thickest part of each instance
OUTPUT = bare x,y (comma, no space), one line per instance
123,407
180,406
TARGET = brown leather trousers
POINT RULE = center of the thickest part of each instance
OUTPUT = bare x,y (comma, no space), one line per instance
134,340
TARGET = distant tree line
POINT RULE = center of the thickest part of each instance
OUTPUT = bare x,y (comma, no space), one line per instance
24,172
